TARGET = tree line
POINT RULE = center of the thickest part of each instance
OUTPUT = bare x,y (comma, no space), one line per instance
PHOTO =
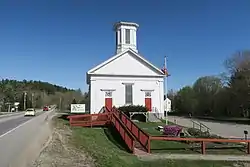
37,94
225,95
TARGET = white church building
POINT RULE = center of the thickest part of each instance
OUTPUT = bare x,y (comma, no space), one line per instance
127,78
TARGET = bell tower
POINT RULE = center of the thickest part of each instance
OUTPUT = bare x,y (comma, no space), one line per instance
125,36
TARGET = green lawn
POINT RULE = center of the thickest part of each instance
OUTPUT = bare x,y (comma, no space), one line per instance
107,148
180,147
163,146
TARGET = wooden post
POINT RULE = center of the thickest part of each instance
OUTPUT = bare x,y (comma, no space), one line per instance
60,104
91,121
203,147
248,148
149,141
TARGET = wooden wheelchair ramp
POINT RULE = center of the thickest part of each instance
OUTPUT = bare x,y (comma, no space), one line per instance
136,140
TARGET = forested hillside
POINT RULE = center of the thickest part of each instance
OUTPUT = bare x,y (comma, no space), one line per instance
37,94
227,94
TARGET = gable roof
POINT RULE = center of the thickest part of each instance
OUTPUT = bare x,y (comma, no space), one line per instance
121,54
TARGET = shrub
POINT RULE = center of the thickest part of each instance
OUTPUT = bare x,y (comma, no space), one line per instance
197,133
172,130
134,108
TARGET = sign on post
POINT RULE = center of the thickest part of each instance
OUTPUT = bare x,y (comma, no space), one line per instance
77,108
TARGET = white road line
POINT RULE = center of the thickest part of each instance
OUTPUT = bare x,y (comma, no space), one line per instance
17,127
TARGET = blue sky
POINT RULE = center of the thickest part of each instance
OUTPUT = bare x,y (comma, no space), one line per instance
59,40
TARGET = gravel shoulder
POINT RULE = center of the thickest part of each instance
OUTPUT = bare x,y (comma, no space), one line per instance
59,150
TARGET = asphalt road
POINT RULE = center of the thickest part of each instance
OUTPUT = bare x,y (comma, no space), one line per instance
11,122
16,133
227,130
10,117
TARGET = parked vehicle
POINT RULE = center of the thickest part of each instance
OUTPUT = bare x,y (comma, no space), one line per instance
45,108
30,112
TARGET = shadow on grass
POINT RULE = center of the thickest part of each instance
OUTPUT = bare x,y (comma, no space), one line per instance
114,136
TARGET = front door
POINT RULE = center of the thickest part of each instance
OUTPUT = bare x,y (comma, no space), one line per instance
108,99
148,100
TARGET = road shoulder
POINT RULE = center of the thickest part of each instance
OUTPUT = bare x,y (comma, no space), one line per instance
32,151
59,150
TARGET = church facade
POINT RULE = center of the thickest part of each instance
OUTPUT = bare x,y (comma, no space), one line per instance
126,78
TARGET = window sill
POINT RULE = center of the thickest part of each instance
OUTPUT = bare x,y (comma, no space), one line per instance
128,104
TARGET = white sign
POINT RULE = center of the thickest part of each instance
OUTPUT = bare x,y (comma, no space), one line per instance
16,103
77,108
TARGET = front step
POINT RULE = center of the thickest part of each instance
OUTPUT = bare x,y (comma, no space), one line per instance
152,117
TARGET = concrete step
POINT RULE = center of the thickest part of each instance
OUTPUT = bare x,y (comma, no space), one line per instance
153,118
139,150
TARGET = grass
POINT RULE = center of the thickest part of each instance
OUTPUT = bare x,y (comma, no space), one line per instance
184,148
163,146
108,149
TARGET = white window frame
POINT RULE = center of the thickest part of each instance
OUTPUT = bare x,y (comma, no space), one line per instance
127,36
125,93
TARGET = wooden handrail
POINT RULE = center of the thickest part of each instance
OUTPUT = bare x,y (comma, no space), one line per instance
147,146
202,140
161,137
131,121
86,115
125,129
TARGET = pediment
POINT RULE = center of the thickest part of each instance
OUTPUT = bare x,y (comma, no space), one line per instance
127,63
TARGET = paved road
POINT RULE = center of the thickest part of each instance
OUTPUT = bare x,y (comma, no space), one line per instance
10,117
2,115
11,122
16,133
227,130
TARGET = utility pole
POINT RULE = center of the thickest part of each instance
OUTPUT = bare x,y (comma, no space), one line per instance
32,98
60,104
8,106
24,101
